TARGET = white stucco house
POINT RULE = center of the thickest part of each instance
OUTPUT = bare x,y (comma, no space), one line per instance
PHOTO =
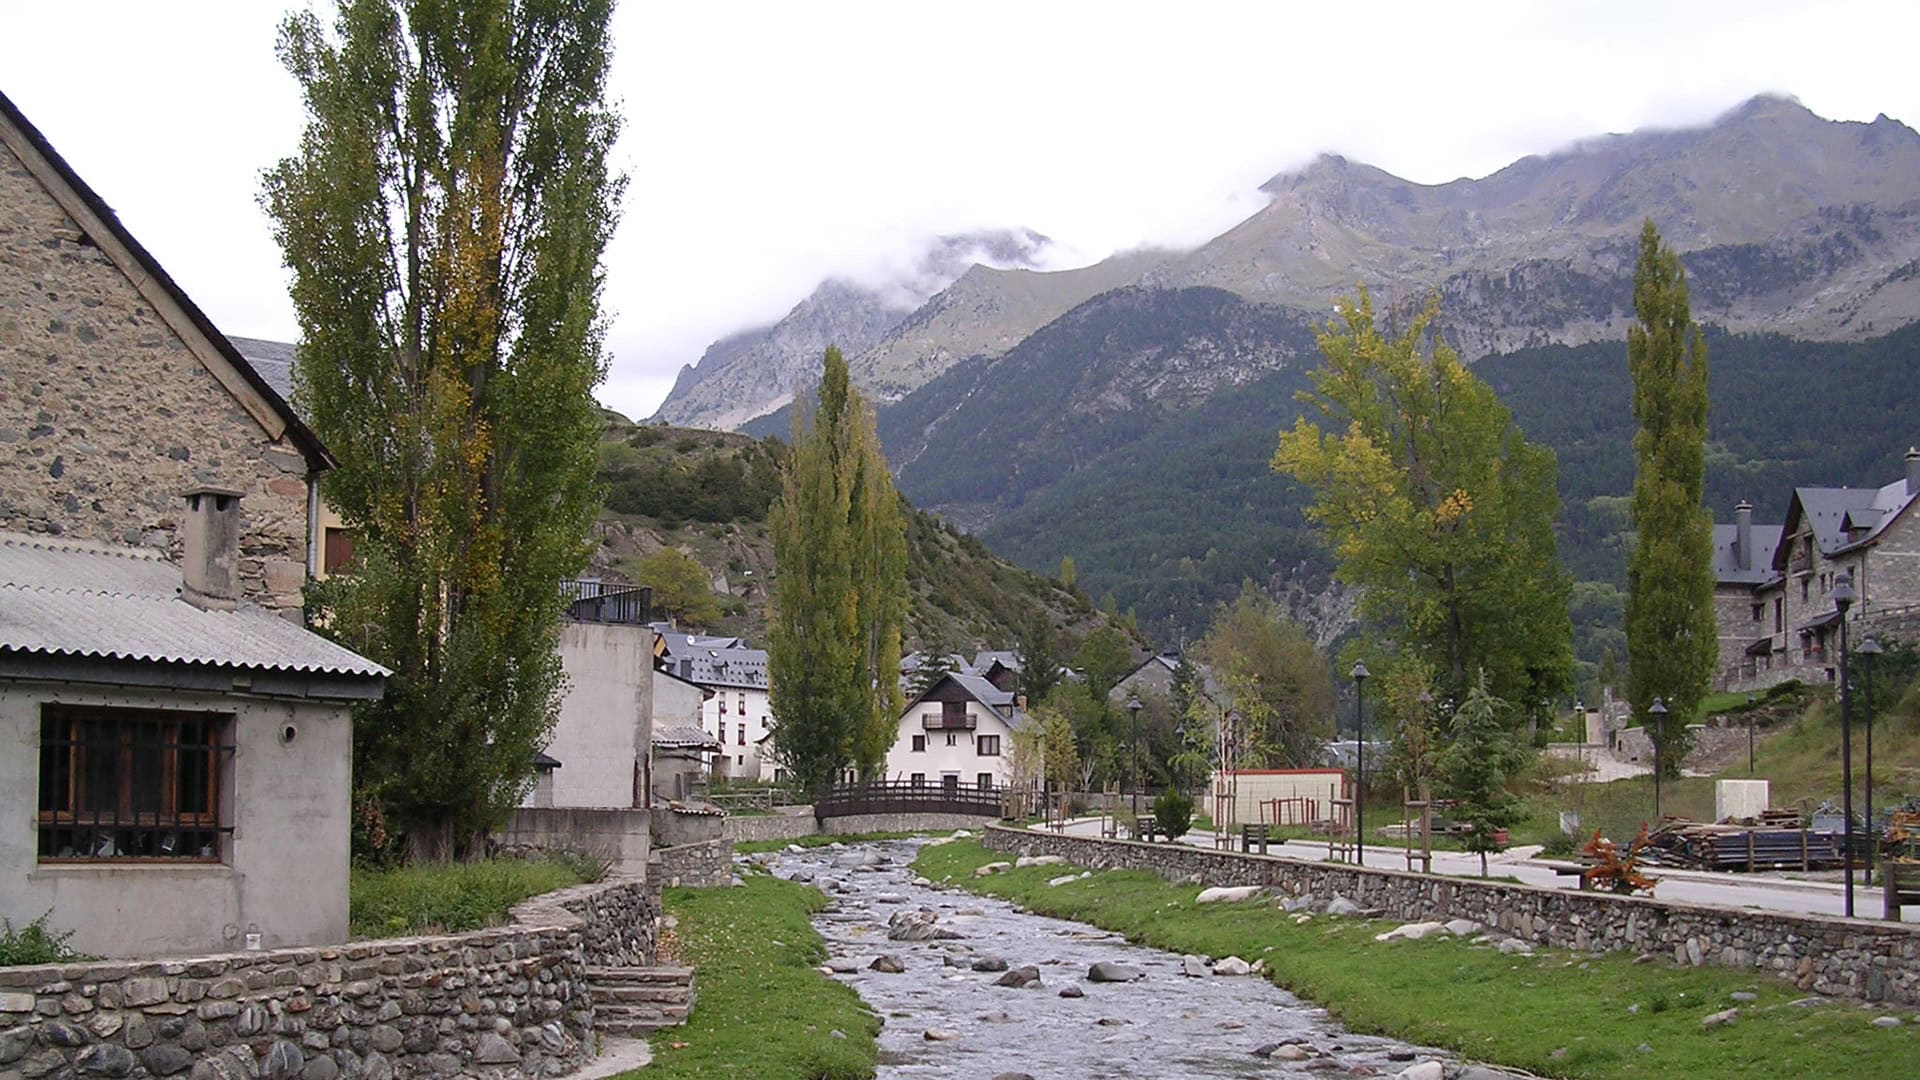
958,733
736,712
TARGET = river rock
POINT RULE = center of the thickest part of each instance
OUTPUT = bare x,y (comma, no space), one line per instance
1013,1076
1886,1021
1037,860
938,1035
1072,991
853,859
1412,931
1107,971
1720,1019
1193,967
1463,927
1227,894
1425,1070
887,965
917,925
1232,965
1064,879
1020,977
1298,903
889,898
843,965
989,963
1286,1051
1340,905
1514,946
992,868
1744,996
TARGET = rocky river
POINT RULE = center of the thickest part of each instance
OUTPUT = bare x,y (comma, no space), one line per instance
969,987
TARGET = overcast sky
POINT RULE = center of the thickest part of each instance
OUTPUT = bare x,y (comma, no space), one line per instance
770,145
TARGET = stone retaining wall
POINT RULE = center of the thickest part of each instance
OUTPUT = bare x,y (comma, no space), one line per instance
502,1003
776,826
1877,961
619,835
707,864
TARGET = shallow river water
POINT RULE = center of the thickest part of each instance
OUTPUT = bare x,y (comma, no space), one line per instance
1164,1025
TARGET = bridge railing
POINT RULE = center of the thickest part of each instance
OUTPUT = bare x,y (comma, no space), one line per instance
905,797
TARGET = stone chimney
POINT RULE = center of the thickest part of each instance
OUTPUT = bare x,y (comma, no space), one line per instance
1020,702
1913,471
1743,528
210,571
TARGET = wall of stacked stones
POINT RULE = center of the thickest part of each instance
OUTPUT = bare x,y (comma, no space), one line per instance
501,1003
696,866
1877,961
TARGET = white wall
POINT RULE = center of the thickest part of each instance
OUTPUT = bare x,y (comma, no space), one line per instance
938,758
284,875
604,724
722,717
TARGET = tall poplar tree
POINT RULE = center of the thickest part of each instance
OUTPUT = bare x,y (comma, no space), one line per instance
1671,639
839,591
443,220
1435,506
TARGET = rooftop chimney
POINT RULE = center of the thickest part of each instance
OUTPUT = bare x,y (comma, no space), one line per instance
1743,542
1913,471
210,572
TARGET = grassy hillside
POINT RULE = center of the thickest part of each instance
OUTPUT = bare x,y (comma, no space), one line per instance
707,494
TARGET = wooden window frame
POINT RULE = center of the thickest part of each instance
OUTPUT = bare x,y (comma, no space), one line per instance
65,748
986,746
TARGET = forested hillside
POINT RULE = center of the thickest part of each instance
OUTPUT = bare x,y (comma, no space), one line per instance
707,493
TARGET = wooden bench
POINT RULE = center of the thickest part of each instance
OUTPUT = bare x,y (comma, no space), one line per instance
1902,883
1251,835
1143,828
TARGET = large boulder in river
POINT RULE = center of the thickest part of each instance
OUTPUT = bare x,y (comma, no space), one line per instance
917,925
1020,977
1106,971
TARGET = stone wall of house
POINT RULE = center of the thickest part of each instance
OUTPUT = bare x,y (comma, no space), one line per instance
702,865
1877,961
503,1003
107,417
1892,571
1737,628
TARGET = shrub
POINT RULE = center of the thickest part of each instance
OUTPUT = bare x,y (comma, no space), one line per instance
1173,814
35,944
449,899
1558,846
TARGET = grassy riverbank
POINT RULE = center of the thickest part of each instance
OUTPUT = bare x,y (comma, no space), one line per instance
763,1010
1554,1013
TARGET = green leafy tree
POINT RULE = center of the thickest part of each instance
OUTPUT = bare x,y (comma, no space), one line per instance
443,220
839,591
1475,769
1039,649
1104,658
1275,676
1067,575
680,586
1434,505
1671,637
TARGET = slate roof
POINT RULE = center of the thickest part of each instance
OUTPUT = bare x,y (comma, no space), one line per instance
1726,562
272,359
61,597
1830,510
744,668
997,701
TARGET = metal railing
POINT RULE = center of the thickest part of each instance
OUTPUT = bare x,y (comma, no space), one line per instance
906,797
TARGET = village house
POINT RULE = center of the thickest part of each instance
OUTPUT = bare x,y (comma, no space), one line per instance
736,714
182,778
957,733
1773,584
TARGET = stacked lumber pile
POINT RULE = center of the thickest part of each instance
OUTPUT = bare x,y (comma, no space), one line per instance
1775,841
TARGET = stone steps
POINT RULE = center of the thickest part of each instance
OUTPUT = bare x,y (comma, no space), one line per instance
639,1001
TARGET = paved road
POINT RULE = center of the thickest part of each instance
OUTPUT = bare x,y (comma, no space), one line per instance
1683,886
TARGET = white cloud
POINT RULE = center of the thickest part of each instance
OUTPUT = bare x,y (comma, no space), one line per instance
771,145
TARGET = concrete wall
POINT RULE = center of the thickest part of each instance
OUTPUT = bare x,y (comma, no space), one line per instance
605,728
285,871
108,414
962,758
1878,961
508,1002
672,827
621,835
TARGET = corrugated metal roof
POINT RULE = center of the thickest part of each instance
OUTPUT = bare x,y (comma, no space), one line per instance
74,598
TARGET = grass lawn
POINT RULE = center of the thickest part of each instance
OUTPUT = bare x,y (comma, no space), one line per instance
763,1010
1554,1013
450,898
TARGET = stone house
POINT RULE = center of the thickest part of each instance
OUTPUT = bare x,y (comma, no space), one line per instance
117,394
957,733
1773,596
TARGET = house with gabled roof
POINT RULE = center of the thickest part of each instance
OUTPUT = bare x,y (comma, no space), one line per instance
1774,584
957,733
183,776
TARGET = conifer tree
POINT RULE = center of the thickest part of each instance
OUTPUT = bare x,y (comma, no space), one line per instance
1671,638
443,220
839,591
1475,769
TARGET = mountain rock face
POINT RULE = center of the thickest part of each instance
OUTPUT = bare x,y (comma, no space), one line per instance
755,372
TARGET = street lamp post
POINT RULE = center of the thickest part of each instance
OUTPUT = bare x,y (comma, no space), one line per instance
1658,710
1359,674
1133,706
1870,648
1843,595
1749,734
